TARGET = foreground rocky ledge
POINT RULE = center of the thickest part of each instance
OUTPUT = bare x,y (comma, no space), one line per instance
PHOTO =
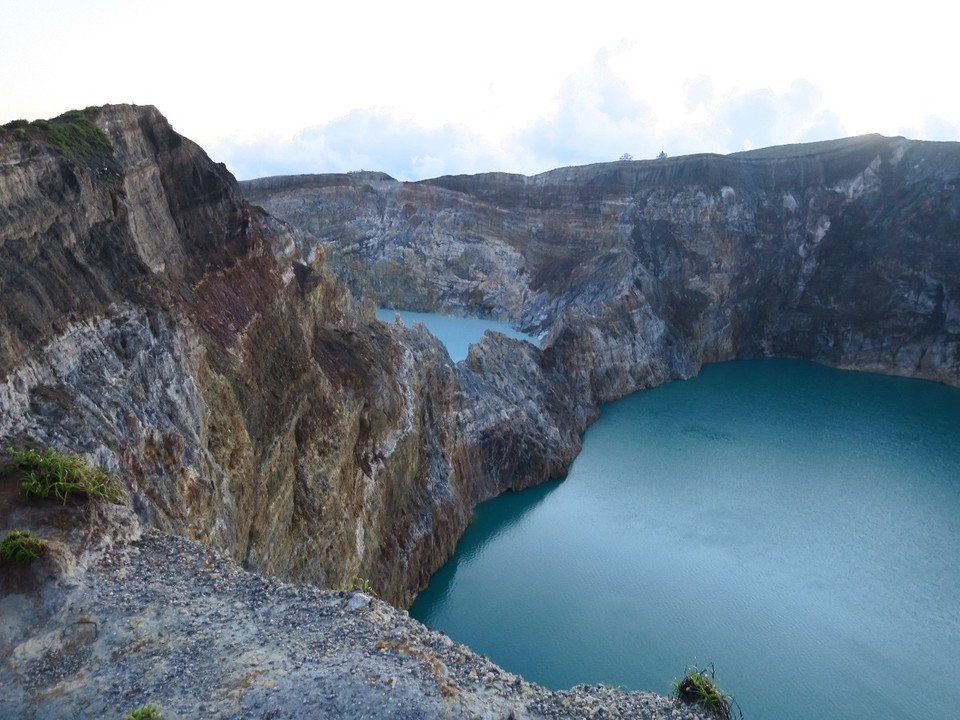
162,620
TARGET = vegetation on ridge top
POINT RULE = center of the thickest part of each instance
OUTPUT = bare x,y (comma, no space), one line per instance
73,135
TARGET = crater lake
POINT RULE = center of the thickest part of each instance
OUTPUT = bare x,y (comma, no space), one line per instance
796,526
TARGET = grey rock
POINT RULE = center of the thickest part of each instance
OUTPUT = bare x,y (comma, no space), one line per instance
228,367
844,252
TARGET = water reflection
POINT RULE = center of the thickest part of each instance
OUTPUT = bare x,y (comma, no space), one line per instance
796,525
488,525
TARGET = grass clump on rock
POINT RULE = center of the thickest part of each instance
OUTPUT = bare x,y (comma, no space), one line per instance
699,687
21,547
147,712
361,585
54,474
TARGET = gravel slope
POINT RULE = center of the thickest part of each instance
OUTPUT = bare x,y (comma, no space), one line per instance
165,621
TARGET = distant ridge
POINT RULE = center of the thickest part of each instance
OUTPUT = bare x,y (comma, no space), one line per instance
811,148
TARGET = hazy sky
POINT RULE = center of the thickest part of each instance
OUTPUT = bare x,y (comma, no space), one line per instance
419,89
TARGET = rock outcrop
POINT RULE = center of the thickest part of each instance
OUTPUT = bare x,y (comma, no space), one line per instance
156,322
845,252
213,358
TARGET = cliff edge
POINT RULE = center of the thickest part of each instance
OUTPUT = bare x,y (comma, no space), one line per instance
164,329
228,368
157,323
845,252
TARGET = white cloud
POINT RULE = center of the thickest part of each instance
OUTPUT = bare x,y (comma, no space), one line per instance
596,118
762,117
428,87
599,116
363,140
933,127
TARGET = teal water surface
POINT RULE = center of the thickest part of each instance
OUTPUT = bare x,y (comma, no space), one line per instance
795,525
456,333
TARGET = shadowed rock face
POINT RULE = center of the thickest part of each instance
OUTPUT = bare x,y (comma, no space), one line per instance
845,252
155,321
204,352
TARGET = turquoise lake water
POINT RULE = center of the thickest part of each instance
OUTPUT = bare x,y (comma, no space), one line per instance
796,526
456,333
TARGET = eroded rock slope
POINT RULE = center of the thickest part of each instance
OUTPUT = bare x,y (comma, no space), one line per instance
156,322
846,252
212,357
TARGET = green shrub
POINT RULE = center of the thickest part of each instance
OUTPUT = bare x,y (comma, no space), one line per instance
699,687
53,474
147,712
21,547
73,135
359,584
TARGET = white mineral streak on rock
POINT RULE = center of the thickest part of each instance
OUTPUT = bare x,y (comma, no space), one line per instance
865,182
899,149
407,387
358,538
820,231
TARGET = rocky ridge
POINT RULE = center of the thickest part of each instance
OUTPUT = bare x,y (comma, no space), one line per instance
845,252
173,334
212,357
149,618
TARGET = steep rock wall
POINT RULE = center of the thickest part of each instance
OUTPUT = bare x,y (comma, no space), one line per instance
204,351
156,322
845,252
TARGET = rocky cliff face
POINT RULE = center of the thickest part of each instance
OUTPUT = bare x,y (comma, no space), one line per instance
204,351
845,252
155,321
212,357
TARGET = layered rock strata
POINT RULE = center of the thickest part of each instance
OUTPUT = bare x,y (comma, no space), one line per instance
156,322
212,357
845,252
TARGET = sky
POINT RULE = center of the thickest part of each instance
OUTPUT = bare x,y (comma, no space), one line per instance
419,89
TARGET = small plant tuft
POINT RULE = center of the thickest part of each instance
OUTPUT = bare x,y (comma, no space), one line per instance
699,687
147,712
360,585
54,474
21,547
